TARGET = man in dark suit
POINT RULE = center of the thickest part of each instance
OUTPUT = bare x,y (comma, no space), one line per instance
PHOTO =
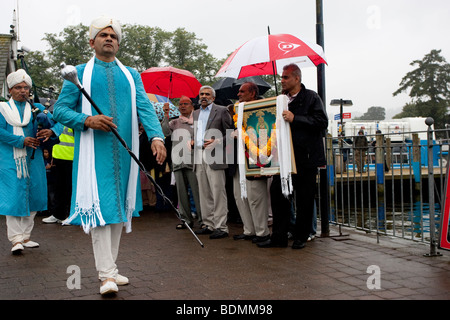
211,122
308,122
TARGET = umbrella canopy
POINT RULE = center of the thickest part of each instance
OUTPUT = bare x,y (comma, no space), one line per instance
224,88
228,88
158,104
156,98
170,82
263,55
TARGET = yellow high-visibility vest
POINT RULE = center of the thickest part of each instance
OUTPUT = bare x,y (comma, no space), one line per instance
64,149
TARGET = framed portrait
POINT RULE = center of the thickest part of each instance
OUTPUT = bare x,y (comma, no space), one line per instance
445,225
259,124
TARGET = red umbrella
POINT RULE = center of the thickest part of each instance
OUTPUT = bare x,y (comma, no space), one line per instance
264,55
170,82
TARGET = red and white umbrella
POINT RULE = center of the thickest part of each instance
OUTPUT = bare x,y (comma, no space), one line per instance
170,82
263,55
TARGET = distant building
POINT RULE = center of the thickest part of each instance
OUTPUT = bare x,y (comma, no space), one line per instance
7,64
8,57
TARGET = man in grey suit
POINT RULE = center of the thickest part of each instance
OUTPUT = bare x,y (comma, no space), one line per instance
211,122
181,131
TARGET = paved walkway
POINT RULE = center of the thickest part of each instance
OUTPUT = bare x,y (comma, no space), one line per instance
163,263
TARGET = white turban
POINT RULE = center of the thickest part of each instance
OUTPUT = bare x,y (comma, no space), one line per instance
104,22
18,77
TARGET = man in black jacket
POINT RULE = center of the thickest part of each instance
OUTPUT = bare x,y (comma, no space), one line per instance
308,122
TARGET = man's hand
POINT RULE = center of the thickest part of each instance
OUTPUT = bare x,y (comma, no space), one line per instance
100,122
159,150
31,142
44,134
166,109
210,143
288,116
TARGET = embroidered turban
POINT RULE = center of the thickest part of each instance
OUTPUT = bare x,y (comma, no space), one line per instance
104,22
17,77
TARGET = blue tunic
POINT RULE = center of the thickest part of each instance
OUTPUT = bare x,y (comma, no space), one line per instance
111,91
20,196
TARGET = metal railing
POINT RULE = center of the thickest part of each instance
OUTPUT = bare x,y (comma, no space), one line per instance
400,190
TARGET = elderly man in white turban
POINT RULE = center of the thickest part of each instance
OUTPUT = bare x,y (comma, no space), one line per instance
105,188
23,182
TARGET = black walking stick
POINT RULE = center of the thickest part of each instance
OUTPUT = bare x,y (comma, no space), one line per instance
70,73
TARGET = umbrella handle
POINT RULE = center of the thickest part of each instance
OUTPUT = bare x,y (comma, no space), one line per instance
274,78
170,86
273,68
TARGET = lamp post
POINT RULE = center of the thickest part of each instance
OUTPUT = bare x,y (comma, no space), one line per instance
324,206
341,103
320,41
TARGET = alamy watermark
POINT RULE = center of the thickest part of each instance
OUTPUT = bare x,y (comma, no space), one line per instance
74,280
222,151
73,16
373,21
374,280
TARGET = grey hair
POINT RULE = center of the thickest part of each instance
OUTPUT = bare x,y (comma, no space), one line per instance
210,88
294,69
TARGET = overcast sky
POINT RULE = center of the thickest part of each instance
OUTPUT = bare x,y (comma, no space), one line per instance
369,45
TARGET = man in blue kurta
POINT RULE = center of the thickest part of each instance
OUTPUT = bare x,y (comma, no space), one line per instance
23,181
105,178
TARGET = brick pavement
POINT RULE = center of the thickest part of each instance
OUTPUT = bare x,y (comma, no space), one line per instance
163,263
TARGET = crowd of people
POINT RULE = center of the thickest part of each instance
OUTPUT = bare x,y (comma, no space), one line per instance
97,183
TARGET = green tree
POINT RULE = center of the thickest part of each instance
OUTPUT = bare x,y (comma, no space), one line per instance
186,51
39,69
272,92
142,47
428,87
70,46
373,113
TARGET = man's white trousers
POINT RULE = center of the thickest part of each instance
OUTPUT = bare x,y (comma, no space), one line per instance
106,242
19,228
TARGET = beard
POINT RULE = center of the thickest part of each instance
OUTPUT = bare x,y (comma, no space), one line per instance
207,101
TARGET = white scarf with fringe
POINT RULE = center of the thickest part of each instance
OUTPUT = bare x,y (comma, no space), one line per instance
87,199
12,116
283,146
241,152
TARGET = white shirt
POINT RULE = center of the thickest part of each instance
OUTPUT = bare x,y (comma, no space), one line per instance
291,98
201,124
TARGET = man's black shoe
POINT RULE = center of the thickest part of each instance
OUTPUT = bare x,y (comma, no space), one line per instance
270,244
242,237
298,244
205,230
218,234
261,239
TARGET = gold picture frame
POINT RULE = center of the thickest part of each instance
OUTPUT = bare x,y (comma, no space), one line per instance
261,157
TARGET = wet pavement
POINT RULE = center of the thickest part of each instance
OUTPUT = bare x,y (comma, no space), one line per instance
163,263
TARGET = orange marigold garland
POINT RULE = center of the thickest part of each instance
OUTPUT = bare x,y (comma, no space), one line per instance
253,149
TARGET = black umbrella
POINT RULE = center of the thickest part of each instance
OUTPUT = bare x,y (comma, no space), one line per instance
228,88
